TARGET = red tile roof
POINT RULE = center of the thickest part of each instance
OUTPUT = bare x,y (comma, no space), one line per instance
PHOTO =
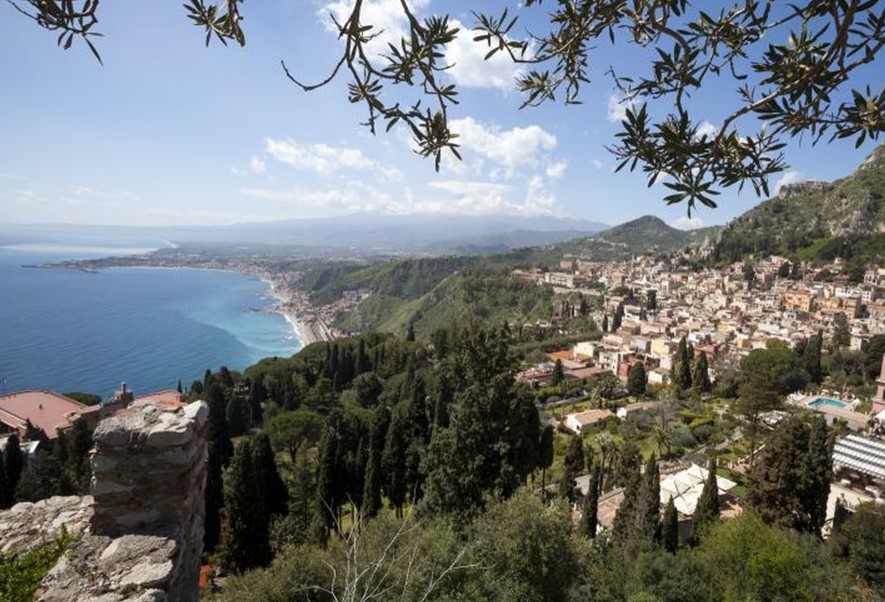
46,410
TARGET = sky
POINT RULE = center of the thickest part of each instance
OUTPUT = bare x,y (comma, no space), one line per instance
170,132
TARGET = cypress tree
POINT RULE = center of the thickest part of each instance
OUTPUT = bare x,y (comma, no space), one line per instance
5,490
236,417
670,528
811,358
303,507
647,521
410,333
590,508
244,536
789,486
682,373
707,510
393,461
605,323
268,477
573,465
374,476
545,453
817,473
220,450
700,374
636,379
619,317
328,474
12,457
558,373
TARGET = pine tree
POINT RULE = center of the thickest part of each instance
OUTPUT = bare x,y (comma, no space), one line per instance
636,379
670,528
12,457
700,374
707,510
590,507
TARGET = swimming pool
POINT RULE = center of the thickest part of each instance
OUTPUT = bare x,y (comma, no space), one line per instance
826,401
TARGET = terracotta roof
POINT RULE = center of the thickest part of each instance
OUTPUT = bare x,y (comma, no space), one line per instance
170,398
46,410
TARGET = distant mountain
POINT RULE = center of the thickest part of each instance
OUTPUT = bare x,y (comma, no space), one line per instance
647,235
815,220
380,234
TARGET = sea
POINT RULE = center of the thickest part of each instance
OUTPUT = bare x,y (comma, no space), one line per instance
67,330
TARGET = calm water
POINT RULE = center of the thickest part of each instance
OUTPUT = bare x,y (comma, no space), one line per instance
67,330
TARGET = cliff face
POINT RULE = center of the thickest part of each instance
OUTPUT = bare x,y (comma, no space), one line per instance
815,220
141,532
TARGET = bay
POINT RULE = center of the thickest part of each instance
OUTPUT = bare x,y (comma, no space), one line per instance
68,330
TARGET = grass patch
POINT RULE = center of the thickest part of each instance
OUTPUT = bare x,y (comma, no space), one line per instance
21,574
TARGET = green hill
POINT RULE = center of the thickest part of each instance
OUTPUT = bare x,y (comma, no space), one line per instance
815,220
647,235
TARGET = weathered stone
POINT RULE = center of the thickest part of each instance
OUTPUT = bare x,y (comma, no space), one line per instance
146,516
148,574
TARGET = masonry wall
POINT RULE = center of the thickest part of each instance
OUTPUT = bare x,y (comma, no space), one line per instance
141,531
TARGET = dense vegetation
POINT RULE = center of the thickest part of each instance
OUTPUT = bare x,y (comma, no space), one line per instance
416,469
815,221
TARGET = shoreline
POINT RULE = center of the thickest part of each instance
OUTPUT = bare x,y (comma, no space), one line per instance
294,306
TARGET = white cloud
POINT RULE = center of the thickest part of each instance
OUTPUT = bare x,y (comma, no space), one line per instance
510,149
257,165
556,170
386,17
350,197
538,199
463,198
597,164
687,223
617,108
789,177
110,197
323,159
469,67
706,129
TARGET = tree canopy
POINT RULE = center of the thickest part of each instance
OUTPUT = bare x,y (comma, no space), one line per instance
796,69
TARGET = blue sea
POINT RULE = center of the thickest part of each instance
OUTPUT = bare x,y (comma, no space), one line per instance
67,330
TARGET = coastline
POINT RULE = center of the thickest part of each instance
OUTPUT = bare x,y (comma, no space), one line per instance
294,306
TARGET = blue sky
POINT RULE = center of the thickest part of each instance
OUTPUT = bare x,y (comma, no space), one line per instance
170,132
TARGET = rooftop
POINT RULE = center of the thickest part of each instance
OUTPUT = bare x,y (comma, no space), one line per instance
685,488
45,409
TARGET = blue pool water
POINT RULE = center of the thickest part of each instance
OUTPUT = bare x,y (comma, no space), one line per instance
825,401
67,330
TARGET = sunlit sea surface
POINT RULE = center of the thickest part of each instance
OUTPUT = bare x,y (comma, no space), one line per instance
68,330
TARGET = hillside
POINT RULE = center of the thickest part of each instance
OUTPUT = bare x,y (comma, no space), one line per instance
469,296
647,235
815,220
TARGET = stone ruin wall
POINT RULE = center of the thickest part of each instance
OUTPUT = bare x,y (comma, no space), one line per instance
141,531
